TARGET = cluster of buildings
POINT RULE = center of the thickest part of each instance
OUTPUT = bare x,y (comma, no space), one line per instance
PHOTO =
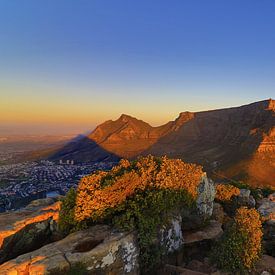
23,182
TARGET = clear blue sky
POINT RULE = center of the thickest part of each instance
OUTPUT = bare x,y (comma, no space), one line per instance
67,65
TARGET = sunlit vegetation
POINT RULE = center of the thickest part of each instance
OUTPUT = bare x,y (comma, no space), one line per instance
224,192
241,244
134,196
255,192
102,191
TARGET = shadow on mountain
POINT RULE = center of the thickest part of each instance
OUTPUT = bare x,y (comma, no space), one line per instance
199,141
223,139
83,150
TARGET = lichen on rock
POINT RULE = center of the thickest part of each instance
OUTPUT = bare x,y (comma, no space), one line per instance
206,195
171,234
116,254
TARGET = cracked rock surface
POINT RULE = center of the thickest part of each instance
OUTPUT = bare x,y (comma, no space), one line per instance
99,248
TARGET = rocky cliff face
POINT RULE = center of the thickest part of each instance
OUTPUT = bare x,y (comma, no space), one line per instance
100,249
233,142
27,229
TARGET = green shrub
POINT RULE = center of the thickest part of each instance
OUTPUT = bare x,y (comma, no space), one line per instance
146,212
240,246
66,222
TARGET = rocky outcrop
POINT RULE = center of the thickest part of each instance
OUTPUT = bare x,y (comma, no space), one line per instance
27,229
97,250
210,232
218,212
267,210
206,196
194,218
196,245
192,230
243,199
101,249
172,237
171,234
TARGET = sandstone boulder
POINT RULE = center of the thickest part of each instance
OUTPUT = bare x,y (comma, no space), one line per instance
27,229
243,199
97,250
206,196
196,217
211,232
267,209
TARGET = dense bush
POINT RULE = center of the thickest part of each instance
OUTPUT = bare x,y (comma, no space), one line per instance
240,246
224,192
136,195
100,192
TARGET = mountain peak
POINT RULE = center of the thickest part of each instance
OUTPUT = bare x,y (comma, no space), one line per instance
184,117
185,114
126,118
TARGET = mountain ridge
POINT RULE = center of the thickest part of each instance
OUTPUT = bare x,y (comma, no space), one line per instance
218,139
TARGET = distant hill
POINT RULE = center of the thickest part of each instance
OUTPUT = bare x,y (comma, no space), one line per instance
235,142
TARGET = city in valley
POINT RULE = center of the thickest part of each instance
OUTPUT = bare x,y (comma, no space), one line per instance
23,181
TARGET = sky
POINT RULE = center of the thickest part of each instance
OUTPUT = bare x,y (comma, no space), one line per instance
66,66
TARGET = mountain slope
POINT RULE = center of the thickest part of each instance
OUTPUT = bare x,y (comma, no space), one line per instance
237,141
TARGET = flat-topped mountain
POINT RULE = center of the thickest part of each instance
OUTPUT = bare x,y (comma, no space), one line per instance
235,142
128,137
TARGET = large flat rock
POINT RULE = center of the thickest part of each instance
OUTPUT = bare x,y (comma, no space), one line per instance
99,250
26,229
